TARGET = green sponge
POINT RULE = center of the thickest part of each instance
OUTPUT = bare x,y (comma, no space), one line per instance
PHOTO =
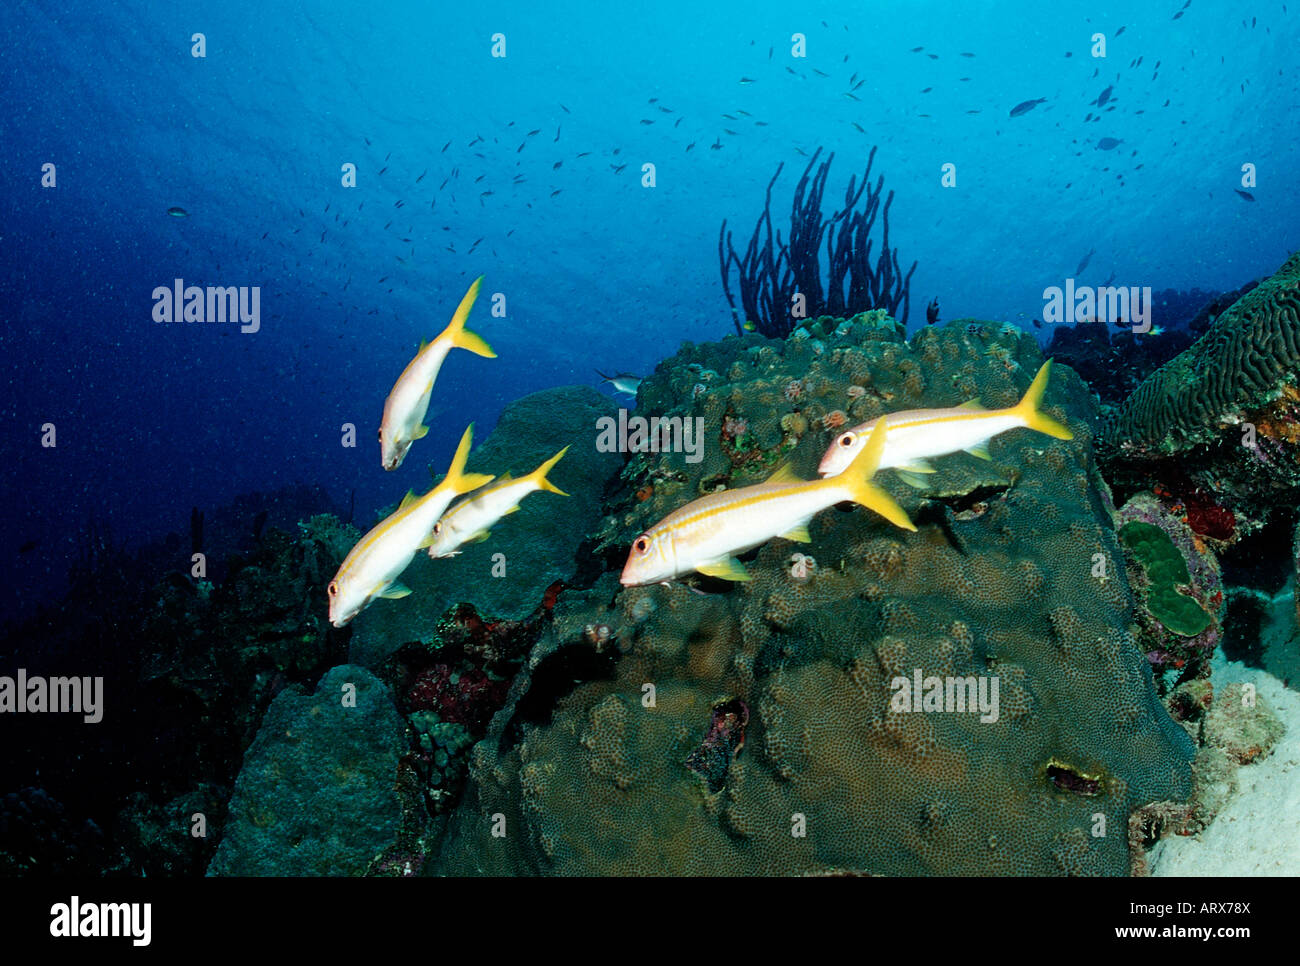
1166,570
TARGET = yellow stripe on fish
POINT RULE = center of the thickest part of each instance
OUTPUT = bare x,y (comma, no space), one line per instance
914,436
408,402
372,567
706,534
472,518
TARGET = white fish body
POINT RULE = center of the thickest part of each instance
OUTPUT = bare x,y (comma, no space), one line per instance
408,402
706,534
915,436
624,382
473,517
372,567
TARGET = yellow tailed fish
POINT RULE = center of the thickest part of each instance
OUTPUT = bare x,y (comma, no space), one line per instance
914,436
472,518
372,568
705,535
408,403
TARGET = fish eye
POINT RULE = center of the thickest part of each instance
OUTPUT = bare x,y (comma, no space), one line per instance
334,588
847,440
381,434
437,527
642,544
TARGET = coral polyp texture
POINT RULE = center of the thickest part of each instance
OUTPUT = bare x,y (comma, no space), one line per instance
1226,411
971,698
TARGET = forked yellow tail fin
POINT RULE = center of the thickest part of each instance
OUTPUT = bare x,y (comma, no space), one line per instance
1027,408
539,475
857,479
457,479
461,337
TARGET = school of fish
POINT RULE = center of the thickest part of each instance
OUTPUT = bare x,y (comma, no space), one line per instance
705,536
371,569
708,534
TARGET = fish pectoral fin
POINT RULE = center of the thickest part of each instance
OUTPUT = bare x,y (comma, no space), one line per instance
480,536
395,591
798,534
728,568
917,466
980,450
420,432
407,500
513,509
915,480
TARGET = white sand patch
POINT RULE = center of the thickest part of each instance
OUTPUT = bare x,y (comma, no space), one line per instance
1258,832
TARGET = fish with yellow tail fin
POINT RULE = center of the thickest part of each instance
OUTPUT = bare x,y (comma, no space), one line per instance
472,518
915,436
706,535
372,568
408,403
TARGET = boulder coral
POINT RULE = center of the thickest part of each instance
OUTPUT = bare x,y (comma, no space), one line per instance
967,699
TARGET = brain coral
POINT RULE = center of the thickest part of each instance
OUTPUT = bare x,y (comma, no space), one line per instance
1015,576
1242,371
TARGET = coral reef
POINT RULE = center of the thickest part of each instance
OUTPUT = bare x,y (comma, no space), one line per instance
195,660
759,731
772,272
506,576
39,837
1226,411
1179,586
1242,725
449,689
316,795
1114,364
1231,728
260,628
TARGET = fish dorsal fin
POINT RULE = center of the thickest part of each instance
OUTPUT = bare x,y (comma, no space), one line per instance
395,591
980,450
407,500
727,568
505,477
424,344
513,509
783,474
798,534
973,405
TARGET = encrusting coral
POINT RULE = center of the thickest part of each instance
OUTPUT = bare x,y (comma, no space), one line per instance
1179,588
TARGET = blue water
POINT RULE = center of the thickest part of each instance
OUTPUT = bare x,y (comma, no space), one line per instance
152,419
